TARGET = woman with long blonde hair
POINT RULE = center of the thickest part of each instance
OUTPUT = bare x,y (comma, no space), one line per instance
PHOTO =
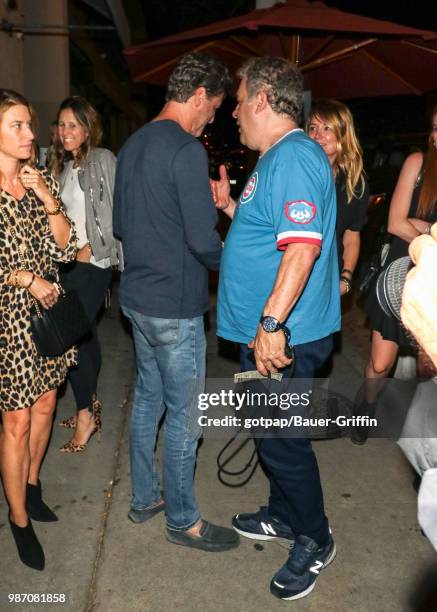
331,124
35,235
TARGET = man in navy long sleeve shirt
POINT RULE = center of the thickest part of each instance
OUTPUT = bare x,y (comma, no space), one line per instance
165,216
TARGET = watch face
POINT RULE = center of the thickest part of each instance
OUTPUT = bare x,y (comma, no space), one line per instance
270,324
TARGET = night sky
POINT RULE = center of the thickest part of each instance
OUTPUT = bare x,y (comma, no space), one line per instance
420,14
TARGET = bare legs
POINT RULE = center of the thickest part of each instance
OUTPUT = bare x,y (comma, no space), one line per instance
41,423
382,358
85,426
15,461
23,444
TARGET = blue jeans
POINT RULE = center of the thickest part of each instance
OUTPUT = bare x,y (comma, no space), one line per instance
170,356
296,495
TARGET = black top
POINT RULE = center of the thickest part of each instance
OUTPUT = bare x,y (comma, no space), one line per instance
399,247
350,216
165,216
389,327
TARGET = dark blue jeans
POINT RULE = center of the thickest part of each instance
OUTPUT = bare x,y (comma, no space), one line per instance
296,495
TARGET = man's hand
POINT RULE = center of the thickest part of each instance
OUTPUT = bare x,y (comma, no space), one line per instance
269,351
221,192
419,299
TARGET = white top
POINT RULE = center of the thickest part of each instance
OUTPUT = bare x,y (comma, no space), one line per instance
427,504
73,199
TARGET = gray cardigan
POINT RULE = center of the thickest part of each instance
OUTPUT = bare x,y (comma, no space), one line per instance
96,179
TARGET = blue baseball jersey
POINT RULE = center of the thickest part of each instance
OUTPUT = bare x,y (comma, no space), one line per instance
290,197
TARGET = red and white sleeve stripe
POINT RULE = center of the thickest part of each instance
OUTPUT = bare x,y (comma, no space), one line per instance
304,237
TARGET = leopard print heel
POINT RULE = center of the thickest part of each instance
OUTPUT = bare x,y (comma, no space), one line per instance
97,415
73,447
69,423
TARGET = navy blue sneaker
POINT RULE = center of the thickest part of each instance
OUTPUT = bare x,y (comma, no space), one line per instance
297,578
261,526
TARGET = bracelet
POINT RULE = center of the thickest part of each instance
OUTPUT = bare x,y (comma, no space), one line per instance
17,276
13,278
346,282
289,350
31,282
348,271
55,211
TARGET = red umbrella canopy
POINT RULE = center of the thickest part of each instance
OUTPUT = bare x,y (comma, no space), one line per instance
341,54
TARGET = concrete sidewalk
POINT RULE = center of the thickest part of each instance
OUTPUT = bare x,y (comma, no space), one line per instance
102,561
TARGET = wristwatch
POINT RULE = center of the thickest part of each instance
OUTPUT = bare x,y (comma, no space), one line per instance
270,324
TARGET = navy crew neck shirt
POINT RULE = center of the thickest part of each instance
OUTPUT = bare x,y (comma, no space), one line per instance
165,216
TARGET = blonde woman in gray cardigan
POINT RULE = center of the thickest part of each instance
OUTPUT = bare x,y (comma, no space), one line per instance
86,176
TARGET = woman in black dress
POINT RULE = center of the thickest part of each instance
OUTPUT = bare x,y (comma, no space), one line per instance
331,124
413,210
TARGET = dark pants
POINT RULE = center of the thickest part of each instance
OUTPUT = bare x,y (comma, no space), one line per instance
91,284
296,495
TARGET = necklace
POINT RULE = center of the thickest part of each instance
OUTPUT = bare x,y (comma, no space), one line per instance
19,231
73,172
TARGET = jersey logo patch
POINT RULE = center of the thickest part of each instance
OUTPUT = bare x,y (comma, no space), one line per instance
300,211
249,190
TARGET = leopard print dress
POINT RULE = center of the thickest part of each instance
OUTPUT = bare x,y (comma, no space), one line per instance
24,374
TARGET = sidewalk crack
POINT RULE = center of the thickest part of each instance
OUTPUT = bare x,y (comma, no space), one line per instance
92,589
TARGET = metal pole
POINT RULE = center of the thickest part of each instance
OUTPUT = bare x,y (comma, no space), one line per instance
262,4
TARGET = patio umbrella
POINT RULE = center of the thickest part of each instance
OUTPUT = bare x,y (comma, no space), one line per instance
341,54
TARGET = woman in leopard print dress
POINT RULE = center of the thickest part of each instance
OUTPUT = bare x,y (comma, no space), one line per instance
35,234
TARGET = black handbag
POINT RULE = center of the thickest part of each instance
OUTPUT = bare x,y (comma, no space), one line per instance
56,329
376,263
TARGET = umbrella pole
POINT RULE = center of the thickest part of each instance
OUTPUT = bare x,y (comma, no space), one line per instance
294,48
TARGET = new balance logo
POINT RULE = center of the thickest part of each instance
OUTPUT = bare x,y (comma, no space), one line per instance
268,529
316,567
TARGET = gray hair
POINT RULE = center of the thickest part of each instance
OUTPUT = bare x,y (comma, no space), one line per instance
281,81
197,70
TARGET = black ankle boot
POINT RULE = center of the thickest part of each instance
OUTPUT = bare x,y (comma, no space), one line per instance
36,508
359,433
29,549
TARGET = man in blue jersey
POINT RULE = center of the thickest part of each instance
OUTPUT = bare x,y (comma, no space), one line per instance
165,217
279,276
